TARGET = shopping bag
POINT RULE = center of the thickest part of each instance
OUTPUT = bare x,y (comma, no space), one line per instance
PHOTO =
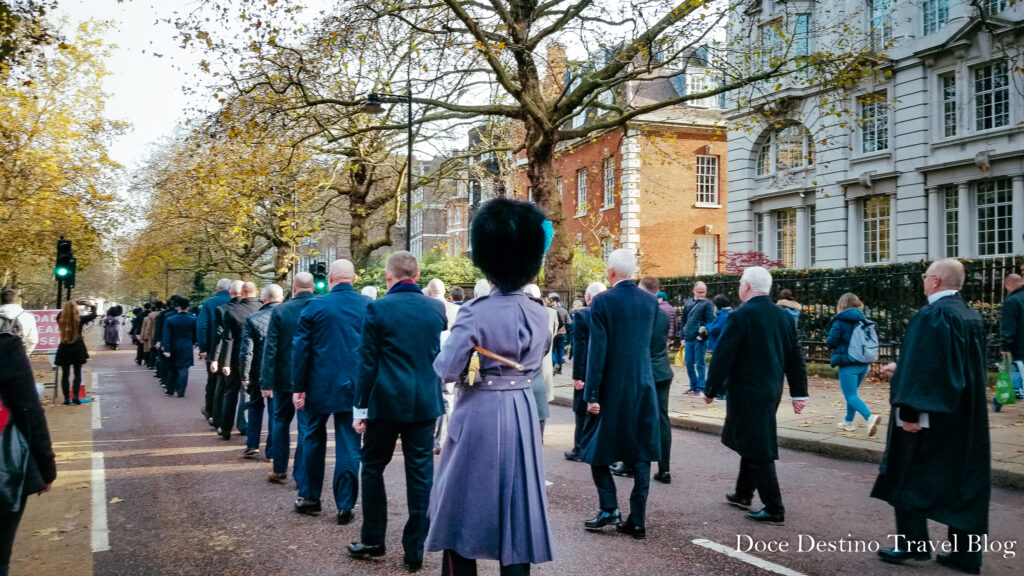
680,357
1004,385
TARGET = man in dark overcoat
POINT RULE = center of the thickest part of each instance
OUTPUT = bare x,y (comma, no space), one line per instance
580,339
179,338
398,395
324,360
276,379
622,424
217,334
233,320
158,333
662,370
937,460
205,329
758,348
250,358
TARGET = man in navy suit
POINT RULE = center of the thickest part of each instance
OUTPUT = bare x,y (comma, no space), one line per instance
324,359
580,339
233,320
398,395
622,424
179,337
276,379
205,329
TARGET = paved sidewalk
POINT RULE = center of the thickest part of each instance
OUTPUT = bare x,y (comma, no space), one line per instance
815,429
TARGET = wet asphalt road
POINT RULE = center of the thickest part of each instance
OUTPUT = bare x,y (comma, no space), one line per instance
189,504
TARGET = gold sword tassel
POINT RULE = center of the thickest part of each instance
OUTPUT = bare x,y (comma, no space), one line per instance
474,368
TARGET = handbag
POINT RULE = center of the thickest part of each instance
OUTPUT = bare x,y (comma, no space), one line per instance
14,464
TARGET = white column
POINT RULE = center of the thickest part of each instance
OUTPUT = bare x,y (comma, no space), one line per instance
935,224
854,246
1018,214
893,227
631,163
770,248
803,238
965,225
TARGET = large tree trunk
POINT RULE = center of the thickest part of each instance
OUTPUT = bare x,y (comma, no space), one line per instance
540,153
282,262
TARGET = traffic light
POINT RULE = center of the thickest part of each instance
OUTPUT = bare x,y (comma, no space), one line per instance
66,266
319,272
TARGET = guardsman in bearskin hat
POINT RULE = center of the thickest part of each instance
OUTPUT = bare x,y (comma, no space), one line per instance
493,451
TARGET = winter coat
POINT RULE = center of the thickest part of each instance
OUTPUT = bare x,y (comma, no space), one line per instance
839,336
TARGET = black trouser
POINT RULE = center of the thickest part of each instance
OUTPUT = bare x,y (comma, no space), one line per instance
211,391
418,452
760,475
664,426
637,498
140,354
579,409
230,390
8,527
914,530
454,565
65,385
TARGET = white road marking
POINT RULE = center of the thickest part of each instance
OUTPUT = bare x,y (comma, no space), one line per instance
100,534
97,422
742,556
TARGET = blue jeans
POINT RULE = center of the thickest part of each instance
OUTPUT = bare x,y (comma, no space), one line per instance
850,378
256,404
284,411
558,351
696,351
347,447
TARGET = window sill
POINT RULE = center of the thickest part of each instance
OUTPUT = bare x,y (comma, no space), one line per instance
706,205
579,215
607,208
975,136
868,157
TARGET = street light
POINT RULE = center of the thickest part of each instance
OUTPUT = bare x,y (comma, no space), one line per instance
696,254
373,105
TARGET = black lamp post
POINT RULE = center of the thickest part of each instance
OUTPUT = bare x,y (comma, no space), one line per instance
373,106
696,254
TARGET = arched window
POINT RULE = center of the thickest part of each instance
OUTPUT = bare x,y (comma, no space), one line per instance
786,148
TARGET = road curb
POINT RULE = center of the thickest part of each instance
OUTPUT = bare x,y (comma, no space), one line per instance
1002,476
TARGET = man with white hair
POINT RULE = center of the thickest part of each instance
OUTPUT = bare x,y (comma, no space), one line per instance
254,334
580,338
205,329
436,289
620,395
758,349
481,288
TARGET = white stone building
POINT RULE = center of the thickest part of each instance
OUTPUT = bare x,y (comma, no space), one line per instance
927,161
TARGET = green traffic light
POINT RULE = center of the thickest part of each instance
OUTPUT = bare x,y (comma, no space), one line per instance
62,272
321,285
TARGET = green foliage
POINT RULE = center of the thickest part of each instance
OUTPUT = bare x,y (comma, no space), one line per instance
587,268
436,264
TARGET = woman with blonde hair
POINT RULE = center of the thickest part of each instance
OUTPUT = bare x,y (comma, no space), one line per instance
71,352
849,313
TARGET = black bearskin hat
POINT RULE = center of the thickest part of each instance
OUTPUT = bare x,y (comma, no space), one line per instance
507,241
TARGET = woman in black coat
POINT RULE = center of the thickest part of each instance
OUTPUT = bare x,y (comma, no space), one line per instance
71,353
21,401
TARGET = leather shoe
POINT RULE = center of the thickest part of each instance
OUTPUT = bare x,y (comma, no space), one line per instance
738,502
663,477
344,517
307,506
360,550
633,530
621,469
603,519
951,560
764,517
412,565
573,455
896,556
277,478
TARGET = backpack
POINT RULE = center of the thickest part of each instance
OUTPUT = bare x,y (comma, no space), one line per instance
863,346
11,325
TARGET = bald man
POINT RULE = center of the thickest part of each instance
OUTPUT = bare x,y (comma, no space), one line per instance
254,334
698,312
233,322
1011,327
323,370
937,460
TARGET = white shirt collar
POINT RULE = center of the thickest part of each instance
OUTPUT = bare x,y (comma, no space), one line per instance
935,297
